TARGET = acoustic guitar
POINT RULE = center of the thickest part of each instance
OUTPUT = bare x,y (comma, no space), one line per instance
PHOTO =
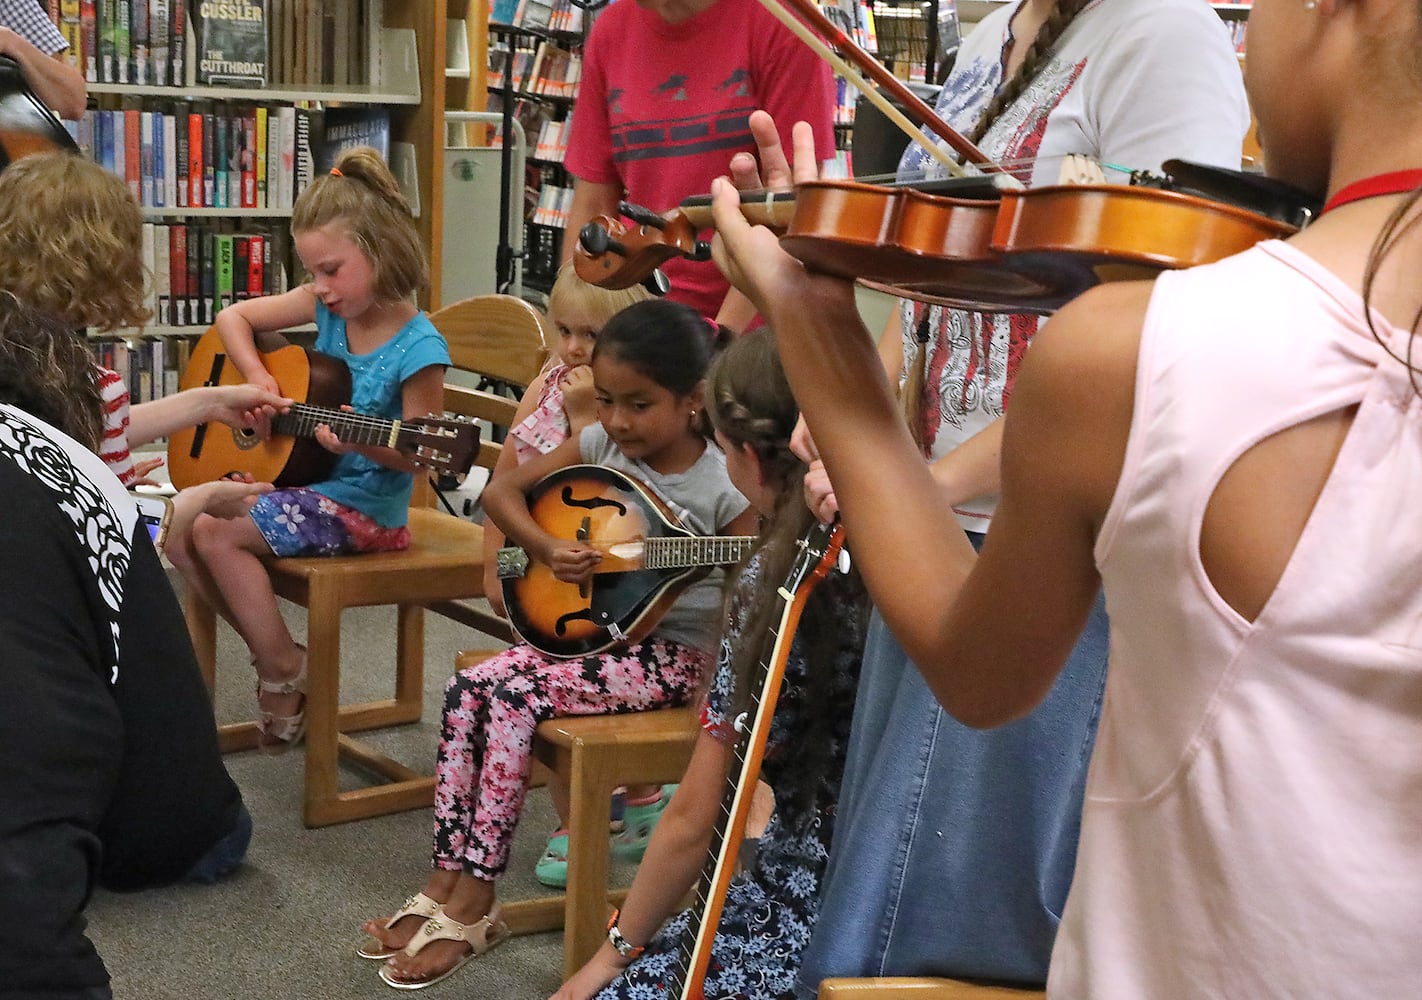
291,456
821,549
648,559
26,125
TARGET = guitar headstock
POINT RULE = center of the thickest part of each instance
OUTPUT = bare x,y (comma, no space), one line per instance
821,550
440,443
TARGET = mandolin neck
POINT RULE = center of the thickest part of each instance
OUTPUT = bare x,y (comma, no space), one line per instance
352,428
695,550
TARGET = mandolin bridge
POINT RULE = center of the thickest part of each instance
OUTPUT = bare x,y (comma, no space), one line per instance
512,563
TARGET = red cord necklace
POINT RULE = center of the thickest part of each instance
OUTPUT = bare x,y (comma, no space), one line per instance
1397,182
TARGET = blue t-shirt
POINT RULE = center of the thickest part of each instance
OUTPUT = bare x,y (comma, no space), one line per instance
378,492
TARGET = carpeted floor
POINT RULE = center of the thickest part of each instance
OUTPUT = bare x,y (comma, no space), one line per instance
287,923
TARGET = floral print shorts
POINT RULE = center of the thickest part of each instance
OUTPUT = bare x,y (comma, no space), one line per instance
302,522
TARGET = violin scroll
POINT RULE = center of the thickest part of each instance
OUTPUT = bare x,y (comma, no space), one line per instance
614,255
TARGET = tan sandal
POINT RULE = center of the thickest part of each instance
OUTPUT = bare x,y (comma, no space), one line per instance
418,905
482,935
276,734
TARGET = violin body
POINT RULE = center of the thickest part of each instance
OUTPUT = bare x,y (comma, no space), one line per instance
1016,251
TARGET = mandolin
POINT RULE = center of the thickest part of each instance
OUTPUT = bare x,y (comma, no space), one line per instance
26,125
648,559
821,549
291,456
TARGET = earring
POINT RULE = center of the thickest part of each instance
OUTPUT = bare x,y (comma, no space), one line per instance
1310,4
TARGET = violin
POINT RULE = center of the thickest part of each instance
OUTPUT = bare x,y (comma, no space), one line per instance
972,242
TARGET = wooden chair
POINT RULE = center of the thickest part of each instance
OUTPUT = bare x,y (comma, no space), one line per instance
490,337
920,988
596,754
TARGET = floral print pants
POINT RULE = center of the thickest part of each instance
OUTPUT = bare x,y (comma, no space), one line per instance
490,713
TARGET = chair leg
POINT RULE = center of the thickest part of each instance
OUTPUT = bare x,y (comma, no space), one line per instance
323,691
585,914
410,661
202,630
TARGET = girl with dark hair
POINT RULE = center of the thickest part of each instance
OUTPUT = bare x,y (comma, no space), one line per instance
770,911
1231,452
649,366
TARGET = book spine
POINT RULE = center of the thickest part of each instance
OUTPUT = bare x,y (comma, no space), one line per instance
178,274
195,172
209,277
223,275
259,141
170,160
248,157
160,29
146,161
177,42
107,28
209,159
133,152
146,251
256,262
138,40
123,42
197,312
241,252
89,39
305,164
286,153
162,273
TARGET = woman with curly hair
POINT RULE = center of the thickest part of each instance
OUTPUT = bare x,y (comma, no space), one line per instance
68,247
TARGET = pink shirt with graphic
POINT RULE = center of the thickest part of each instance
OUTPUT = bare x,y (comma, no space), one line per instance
662,108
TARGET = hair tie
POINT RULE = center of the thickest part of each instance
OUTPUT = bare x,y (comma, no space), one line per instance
336,172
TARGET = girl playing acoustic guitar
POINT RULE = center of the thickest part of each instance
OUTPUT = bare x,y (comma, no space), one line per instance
354,233
648,367
767,917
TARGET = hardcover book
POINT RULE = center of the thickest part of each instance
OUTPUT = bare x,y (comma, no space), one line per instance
232,42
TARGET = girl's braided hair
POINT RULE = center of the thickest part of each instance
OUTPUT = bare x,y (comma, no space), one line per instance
1040,50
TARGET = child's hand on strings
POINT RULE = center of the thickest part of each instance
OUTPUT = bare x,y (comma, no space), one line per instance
579,397
327,438
141,468
246,405
573,562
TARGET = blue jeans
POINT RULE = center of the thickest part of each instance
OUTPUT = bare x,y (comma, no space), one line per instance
225,855
954,847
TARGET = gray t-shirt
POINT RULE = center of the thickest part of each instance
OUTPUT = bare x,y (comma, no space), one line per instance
704,500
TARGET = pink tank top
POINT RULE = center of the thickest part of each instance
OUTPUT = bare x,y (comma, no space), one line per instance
547,426
1253,818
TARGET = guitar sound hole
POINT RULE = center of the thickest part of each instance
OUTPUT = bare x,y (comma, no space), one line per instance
246,438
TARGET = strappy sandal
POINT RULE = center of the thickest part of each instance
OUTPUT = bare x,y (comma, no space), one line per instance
482,935
418,905
276,734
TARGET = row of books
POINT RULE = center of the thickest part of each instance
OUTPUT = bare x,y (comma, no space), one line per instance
551,208
552,142
545,15
218,154
546,69
126,41
239,42
149,366
204,154
199,269
1238,27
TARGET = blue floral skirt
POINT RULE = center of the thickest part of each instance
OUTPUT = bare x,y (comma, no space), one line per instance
302,522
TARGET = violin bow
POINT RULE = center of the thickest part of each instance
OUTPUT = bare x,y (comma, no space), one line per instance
926,116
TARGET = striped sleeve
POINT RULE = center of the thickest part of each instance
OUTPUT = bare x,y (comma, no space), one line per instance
114,448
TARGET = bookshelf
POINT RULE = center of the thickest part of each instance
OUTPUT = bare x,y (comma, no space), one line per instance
372,54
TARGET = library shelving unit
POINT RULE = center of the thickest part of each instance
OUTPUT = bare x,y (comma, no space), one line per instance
531,76
403,77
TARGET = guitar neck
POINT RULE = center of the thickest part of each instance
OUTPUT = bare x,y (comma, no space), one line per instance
695,550
694,954
352,428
